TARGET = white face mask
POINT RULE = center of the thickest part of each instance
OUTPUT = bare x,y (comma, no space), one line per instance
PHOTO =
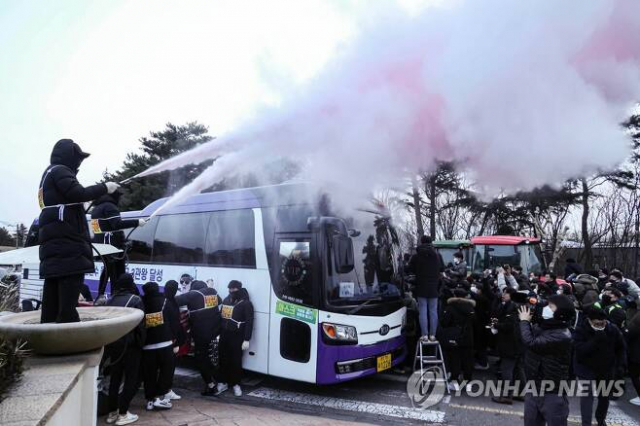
559,292
474,290
547,313
597,328
456,261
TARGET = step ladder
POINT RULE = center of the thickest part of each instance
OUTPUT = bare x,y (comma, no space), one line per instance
429,357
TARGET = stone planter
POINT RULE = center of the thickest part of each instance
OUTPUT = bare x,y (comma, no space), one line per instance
98,327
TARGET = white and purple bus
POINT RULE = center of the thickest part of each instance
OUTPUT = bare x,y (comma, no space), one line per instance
316,319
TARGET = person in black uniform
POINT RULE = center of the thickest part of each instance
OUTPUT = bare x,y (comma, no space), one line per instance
124,355
179,334
204,319
157,354
107,227
237,327
63,235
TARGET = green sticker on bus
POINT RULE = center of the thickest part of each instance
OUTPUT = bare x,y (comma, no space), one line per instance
296,311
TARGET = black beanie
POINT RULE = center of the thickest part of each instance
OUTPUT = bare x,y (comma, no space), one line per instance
124,281
564,307
235,284
595,313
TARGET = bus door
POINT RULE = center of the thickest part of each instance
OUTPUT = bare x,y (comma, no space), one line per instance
293,331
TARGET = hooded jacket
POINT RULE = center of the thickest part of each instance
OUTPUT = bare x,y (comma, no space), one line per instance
427,266
237,314
598,354
203,304
157,318
125,296
106,211
173,310
63,234
458,317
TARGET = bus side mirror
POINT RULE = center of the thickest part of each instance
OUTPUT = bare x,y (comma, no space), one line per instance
343,254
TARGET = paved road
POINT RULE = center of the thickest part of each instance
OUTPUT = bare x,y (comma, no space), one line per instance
383,399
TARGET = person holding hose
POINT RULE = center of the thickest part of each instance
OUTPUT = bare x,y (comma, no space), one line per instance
237,327
63,235
107,226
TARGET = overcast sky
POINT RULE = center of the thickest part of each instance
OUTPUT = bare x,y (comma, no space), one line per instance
105,73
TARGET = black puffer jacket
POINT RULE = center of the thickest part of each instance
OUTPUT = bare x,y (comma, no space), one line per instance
125,297
237,314
157,315
427,266
458,316
547,351
633,339
173,310
508,343
204,315
598,354
108,215
64,240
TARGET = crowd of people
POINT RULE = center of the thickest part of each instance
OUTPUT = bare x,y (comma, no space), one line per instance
220,330
539,327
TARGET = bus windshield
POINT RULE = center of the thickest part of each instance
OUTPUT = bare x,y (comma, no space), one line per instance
371,278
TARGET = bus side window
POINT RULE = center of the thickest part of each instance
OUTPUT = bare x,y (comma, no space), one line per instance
231,239
179,239
141,241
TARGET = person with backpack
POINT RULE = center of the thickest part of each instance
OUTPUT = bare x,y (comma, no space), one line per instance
427,266
158,351
123,355
237,329
456,336
203,304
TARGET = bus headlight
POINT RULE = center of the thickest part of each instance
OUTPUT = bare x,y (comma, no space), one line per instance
339,334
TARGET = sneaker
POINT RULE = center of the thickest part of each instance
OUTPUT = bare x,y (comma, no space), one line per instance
424,338
149,406
125,419
237,391
112,417
172,396
432,338
635,401
453,387
162,404
222,387
209,389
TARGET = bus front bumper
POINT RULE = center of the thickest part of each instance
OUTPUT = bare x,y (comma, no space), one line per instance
341,363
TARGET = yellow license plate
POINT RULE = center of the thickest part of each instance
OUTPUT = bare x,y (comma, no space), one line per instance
383,363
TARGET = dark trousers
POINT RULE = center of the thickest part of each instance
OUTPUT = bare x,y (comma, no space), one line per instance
158,365
231,357
586,409
634,373
460,359
127,366
511,370
60,298
112,270
552,410
203,362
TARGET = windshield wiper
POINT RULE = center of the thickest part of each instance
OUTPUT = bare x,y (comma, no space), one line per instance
362,305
